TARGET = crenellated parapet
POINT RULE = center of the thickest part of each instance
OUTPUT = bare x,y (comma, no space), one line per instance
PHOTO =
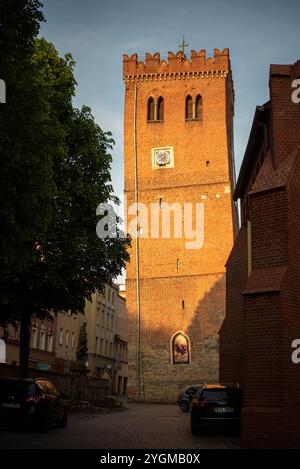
178,66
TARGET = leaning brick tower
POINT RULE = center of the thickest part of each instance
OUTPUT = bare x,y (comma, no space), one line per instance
178,148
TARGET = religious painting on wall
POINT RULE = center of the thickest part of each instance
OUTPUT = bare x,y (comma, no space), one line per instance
180,349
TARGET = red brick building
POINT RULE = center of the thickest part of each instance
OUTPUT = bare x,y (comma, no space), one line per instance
263,273
180,110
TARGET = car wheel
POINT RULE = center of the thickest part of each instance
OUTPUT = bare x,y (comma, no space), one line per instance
184,406
64,420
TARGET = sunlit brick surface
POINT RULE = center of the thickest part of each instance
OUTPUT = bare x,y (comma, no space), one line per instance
170,273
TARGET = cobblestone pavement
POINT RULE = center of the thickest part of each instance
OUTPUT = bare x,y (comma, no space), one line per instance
140,426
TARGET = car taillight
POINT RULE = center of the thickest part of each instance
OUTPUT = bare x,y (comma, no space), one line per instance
33,399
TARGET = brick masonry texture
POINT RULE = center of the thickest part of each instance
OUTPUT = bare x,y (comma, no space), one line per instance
169,273
262,309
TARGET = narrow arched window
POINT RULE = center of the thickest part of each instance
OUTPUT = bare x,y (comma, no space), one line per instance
150,109
189,108
180,349
198,107
160,109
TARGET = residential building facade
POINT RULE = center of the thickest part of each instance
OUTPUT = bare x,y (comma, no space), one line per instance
42,344
106,326
67,333
54,344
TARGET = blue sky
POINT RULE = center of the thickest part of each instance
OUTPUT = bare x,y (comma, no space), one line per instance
98,32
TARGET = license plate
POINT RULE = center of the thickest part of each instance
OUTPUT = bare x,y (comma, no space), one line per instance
223,410
9,405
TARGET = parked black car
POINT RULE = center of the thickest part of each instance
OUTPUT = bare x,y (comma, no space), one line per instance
216,405
32,402
186,396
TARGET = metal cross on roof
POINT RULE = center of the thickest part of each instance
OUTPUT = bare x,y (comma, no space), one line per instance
183,45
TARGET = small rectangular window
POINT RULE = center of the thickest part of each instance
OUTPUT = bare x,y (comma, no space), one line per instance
73,339
150,110
50,342
160,109
42,340
198,107
67,338
34,337
189,108
61,336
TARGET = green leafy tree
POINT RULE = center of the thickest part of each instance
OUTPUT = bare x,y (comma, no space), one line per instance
56,171
26,138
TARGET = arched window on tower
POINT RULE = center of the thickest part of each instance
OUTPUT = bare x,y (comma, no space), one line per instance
180,349
150,109
198,107
189,107
160,109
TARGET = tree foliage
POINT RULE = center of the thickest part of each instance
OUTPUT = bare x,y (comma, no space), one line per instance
55,170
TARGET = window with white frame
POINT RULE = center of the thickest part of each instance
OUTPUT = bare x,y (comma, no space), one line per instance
42,343
34,333
61,336
50,341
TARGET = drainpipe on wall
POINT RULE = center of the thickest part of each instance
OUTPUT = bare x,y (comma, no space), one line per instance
138,338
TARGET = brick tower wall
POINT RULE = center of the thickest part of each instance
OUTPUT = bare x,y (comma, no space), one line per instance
201,173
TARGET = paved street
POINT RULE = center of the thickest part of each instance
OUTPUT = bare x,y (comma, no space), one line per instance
140,426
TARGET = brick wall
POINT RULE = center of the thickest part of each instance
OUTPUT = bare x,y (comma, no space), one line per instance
231,333
169,272
271,301
200,320
285,114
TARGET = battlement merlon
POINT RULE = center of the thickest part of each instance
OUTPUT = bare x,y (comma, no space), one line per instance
177,64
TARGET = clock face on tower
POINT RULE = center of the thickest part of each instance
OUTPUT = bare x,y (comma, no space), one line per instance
162,157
